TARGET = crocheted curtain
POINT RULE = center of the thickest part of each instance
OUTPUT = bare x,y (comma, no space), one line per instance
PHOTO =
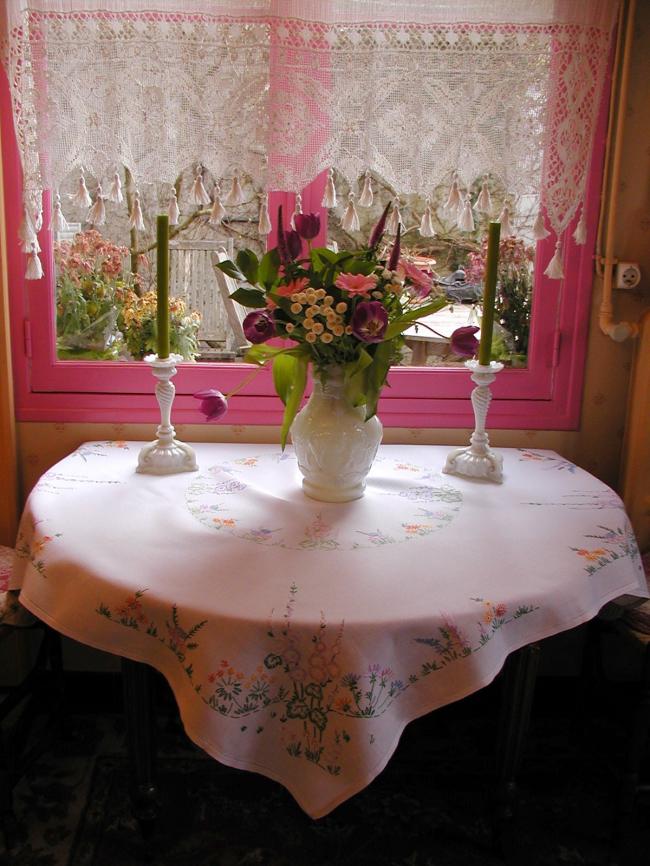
452,101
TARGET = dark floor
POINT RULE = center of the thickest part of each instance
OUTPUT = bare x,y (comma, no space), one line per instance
432,806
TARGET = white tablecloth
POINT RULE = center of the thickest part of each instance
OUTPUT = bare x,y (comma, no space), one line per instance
301,637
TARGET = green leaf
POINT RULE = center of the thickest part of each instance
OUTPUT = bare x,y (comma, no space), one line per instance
261,353
284,369
294,397
355,378
396,327
230,269
376,376
267,272
248,265
249,297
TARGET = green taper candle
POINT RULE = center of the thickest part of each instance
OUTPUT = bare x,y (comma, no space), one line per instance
162,304
489,293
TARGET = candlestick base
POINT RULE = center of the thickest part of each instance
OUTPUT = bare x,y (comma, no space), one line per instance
165,455
478,460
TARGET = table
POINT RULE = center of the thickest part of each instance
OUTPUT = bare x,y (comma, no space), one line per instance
300,637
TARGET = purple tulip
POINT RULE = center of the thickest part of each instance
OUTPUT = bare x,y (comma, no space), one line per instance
393,261
307,225
259,326
213,404
378,230
294,244
463,342
369,322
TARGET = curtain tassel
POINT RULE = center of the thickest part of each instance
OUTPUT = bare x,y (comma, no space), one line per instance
199,195
82,197
454,200
135,217
466,219
329,196
218,212
394,218
426,223
59,223
236,194
297,209
366,197
539,229
350,221
173,210
580,233
484,200
504,219
264,225
554,269
115,192
34,270
97,213
27,234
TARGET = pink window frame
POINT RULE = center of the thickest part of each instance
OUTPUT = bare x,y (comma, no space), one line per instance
546,395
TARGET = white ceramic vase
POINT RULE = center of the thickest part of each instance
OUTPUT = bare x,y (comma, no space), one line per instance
334,445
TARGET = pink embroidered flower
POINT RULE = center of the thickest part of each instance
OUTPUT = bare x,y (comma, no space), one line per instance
356,284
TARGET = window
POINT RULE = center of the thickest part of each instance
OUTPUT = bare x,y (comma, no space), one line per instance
543,395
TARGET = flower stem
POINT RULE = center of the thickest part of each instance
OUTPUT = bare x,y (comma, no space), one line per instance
243,383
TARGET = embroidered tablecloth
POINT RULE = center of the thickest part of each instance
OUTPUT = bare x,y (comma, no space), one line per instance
300,637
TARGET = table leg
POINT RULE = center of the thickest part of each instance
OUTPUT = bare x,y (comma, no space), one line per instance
138,711
520,673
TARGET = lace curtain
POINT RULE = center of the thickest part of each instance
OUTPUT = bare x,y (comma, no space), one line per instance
452,101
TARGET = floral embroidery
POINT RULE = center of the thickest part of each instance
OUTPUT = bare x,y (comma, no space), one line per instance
221,491
450,644
299,685
615,544
551,462
32,550
98,449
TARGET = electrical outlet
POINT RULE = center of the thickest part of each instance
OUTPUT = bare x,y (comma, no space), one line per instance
627,276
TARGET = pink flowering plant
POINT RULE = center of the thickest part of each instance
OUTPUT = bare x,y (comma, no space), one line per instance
345,310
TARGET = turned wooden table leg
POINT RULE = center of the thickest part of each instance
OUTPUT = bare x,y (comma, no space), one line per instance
520,673
138,711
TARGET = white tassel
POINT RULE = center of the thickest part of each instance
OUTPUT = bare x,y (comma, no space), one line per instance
297,209
484,200
58,223
97,213
236,194
454,200
38,222
115,192
426,223
329,196
218,212
580,233
366,197
264,224
350,221
504,219
27,234
554,269
34,270
199,195
135,218
173,209
394,218
466,219
82,197
539,229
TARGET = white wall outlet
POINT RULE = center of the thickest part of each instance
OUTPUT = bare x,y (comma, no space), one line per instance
627,275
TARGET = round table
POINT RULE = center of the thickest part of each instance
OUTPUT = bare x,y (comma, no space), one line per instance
300,637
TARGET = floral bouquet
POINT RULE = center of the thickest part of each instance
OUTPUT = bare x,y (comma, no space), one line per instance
344,310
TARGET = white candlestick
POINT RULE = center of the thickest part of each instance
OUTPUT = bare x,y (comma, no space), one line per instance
478,460
166,455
